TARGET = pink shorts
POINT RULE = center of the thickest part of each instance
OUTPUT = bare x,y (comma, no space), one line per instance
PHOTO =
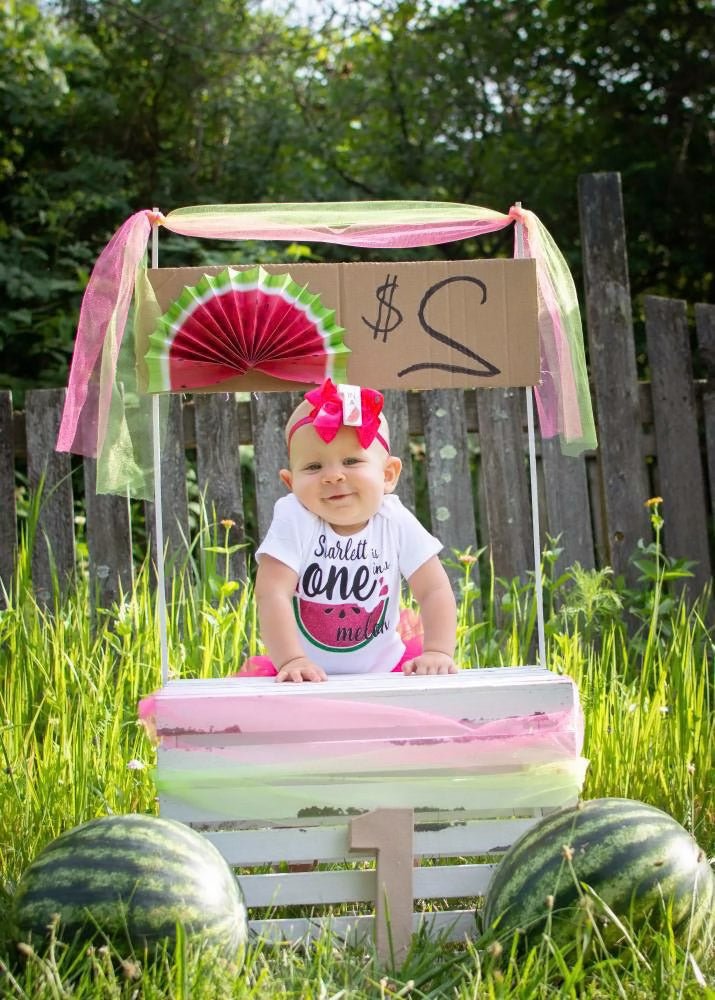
409,627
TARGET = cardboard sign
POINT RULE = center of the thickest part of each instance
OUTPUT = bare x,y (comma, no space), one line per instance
417,325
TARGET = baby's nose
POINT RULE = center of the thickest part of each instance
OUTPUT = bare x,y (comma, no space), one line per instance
332,475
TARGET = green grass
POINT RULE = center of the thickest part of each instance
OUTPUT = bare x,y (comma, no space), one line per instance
71,749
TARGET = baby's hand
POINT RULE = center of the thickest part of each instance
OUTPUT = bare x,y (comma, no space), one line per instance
300,669
431,662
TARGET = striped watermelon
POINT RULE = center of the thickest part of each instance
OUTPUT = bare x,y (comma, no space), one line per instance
635,857
130,880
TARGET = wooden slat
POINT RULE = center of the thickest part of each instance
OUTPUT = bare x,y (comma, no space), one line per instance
218,464
308,888
174,501
613,367
269,414
330,844
568,506
448,477
8,525
681,481
449,925
705,327
226,801
109,539
508,508
397,414
325,888
54,544
478,695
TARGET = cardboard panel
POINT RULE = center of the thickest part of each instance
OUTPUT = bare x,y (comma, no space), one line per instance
417,325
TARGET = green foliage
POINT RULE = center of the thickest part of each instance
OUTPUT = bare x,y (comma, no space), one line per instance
59,189
591,602
109,107
651,965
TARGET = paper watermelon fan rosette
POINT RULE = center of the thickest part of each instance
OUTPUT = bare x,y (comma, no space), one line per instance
240,321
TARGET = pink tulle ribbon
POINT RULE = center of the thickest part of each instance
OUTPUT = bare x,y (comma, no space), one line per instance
102,321
334,727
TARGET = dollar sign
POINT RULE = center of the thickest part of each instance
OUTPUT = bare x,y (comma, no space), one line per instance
384,294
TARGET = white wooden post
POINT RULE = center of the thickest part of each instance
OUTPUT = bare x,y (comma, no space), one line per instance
388,832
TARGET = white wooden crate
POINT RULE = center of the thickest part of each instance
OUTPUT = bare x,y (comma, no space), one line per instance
291,796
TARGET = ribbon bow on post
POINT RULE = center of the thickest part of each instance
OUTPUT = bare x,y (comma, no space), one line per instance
328,413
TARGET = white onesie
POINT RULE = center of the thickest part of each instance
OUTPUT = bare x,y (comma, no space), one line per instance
347,600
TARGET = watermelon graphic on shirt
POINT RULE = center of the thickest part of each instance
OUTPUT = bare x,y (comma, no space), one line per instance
339,628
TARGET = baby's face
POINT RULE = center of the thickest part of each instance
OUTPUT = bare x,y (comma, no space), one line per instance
339,480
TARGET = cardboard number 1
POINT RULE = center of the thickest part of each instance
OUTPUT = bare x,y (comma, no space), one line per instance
388,832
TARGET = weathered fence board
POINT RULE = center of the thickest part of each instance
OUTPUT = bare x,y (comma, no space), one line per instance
8,522
705,326
50,472
218,469
109,540
269,413
174,502
447,465
508,511
679,470
398,419
568,506
613,366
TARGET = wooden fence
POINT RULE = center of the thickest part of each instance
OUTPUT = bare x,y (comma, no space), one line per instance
655,438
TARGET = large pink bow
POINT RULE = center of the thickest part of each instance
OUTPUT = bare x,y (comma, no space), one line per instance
327,414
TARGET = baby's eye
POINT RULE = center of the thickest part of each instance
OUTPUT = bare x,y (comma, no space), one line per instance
351,461
313,467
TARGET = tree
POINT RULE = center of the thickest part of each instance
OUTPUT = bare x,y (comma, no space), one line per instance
490,102
115,105
54,189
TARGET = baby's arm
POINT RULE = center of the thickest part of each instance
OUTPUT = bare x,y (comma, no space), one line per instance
432,590
275,586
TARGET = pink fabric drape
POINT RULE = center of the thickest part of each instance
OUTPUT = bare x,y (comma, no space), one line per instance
102,321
